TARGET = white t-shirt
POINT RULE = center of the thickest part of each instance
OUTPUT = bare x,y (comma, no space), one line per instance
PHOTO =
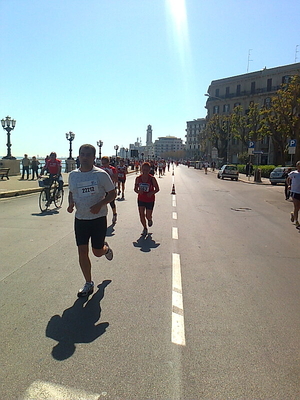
295,181
88,188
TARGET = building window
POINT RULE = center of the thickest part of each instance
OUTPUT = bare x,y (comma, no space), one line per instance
217,94
216,110
227,91
286,79
269,85
238,90
267,102
226,108
236,105
252,87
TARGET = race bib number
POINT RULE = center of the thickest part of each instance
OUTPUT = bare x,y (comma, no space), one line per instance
88,188
144,187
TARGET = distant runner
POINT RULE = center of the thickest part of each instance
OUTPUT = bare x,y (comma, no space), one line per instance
146,187
122,172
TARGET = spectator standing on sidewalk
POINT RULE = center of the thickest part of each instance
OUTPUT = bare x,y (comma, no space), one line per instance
249,169
34,167
91,189
25,166
294,186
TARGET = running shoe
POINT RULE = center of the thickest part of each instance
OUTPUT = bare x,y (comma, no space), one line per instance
109,254
145,232
292,217
297,224
114,219
150,222
87,289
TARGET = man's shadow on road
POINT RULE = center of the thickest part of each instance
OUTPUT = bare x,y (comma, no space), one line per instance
77,324
146,243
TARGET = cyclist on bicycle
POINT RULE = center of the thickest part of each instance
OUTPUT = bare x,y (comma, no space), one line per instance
53,166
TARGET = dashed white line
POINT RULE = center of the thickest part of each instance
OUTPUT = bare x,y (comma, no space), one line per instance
178,332
174,233
174,215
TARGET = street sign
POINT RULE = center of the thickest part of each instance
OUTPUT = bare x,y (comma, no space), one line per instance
258,152
292,146
251,146
214,153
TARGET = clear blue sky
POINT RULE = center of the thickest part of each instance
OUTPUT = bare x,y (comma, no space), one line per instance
105,69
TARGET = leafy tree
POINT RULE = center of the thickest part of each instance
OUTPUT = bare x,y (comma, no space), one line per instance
217,131
281,120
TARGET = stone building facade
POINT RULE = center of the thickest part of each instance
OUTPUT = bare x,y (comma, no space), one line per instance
257,87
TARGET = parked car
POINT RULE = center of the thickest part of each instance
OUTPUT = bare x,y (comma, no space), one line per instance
228,171
278,175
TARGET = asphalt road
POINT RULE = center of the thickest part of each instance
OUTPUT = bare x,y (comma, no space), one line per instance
206,307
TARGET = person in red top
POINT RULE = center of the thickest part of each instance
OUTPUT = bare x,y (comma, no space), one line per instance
122,171
112,172
53,166
146,187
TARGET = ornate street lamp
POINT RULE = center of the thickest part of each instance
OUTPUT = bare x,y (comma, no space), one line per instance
70,137
8,124
116,147
99,144
126,151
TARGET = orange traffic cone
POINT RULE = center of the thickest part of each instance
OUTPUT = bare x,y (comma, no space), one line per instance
173,189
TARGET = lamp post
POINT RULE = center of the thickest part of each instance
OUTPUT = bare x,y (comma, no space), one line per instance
116,147
126,151
99,144
70,137
8,124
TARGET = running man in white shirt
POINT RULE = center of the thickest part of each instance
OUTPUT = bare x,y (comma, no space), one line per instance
91,189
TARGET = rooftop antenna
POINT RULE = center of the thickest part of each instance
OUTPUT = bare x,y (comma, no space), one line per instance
296,51
249,52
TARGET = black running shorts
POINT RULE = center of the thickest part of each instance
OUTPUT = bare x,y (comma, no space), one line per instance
147,205
295,196
94,229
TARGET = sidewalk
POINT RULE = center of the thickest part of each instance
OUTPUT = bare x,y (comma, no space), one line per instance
16,187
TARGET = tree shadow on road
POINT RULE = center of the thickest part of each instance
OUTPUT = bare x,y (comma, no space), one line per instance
77,324
146,243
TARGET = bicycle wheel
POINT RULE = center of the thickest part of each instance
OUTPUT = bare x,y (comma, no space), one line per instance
58,197
43,202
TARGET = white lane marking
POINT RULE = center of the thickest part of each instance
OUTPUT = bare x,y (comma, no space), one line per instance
174,200
177,300
174,233
174,215
49,391
178,333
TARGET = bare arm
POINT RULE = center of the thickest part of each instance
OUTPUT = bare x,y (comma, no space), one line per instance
71,203
95,209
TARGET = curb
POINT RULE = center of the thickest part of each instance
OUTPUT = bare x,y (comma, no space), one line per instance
21,192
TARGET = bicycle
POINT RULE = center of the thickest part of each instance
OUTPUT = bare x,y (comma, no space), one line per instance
50,194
